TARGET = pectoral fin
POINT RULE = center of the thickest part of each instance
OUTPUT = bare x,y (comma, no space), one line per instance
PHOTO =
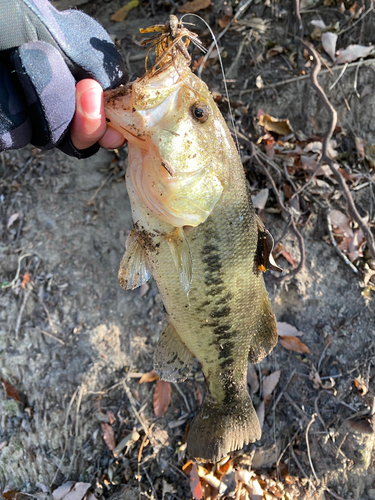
264,250
134,270
172,359
181,257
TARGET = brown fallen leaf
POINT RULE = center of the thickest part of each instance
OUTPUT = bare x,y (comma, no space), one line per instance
194,6
281,127
10,391
149,377
162,397
25,280
109,436
294,344
288,257
270,382
120,15
195,484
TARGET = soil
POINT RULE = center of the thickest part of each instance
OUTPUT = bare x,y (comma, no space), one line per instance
74,344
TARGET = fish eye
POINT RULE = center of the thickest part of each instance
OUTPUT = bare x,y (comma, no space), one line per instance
200,111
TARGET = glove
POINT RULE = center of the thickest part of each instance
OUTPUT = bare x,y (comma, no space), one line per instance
43,53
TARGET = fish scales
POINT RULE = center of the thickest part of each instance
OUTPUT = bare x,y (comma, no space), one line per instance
196,231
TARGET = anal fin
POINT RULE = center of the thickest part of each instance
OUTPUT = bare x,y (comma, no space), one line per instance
172,359
181,255
134,270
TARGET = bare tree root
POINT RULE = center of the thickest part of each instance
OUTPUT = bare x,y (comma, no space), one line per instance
325,157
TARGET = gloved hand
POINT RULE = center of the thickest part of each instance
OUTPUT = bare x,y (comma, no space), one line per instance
43,52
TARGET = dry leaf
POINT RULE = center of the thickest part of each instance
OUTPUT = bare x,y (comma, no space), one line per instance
121,14
10,391
255,490
260,414
252,378
195,484
71,491
352,53
361,386
62,490
260,199
287,330
198,396
162,397
194,6
360,146
109,436
276,50
25,280
329,41
318,23
281,127
294,344
149,377
12,219
367,90
288,257
340,221
270,382
259,82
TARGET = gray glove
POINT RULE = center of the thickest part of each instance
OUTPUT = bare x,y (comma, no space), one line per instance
43,53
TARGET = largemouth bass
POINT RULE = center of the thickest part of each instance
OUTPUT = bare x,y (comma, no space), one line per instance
196,232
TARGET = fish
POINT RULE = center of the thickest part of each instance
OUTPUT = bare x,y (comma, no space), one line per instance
196,232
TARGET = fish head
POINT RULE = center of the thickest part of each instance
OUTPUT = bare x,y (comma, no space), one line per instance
180,147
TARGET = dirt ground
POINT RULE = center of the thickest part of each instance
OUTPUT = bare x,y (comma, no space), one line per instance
74,344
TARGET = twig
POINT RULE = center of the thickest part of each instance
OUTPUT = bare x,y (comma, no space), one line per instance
286,447
131,400
183,397
284,389
325,157
140,456
98,189
335,245
53,337
298,463
308,446
14,280
19,319
293,226
65,435
296,407
305,77
339,77
238,14
79,400
357,21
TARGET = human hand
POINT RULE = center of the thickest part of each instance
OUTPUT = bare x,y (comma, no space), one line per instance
43,53
89,124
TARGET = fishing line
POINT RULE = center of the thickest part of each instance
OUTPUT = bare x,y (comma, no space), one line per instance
223,73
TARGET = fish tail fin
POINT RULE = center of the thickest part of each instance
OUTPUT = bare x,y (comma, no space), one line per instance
219,429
